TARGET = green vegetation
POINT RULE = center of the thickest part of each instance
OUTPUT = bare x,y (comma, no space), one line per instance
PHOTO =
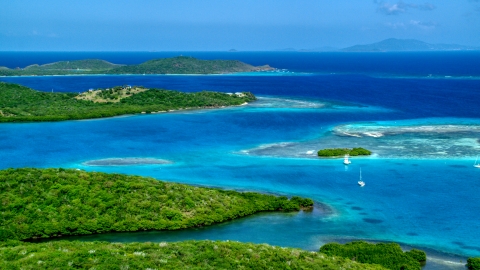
66,67
418,255
21,104
181,255
187,65
388,255
473,263
88,66
42,203
174,65
337,152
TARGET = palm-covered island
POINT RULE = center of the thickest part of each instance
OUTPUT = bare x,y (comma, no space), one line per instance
174,65
21,104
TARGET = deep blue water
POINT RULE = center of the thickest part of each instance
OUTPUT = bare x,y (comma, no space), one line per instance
421,190
420,64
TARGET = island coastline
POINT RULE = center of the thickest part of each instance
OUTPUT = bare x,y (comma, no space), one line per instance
176,206
181,65
22,104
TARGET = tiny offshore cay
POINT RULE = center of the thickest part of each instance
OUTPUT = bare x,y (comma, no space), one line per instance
343,152
173,65
22,104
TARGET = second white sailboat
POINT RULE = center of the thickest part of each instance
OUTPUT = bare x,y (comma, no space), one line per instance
360,182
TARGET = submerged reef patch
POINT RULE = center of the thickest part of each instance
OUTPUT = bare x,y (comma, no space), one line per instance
372,220
381,129
276,102
419,138
131,161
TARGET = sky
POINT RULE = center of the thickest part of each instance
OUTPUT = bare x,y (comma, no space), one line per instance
220,25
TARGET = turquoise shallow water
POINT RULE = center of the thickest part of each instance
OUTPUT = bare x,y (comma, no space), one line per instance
424,202
421,188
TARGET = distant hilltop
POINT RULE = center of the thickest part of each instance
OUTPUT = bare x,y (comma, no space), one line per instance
400,45
389,45
319,49
174,65
188,65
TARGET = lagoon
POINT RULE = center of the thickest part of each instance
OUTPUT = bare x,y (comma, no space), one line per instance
421,188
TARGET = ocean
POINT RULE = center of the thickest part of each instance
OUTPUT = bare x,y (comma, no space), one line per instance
417,112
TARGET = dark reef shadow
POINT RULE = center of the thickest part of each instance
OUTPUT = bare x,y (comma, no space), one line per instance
372,220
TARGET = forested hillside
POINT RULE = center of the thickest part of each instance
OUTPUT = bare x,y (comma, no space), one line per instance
53,202
21,104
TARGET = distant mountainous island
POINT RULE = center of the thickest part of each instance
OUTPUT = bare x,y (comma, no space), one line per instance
399,45
174,65
389,45
318,49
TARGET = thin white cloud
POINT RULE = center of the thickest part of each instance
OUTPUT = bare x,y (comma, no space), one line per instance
474,9
423,25
400,7
412,24
396,25
426,6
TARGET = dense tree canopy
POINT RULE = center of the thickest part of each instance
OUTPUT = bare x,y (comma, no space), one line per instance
173,65
187,65
52,202
388,255
473,263
20,104
337,152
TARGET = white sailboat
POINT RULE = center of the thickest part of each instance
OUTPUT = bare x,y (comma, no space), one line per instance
476,165
346,161
360,182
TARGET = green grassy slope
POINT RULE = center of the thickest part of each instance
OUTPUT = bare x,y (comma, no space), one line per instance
87,64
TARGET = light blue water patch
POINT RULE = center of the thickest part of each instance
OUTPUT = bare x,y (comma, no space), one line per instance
422,125
127,161
279,72
295,104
